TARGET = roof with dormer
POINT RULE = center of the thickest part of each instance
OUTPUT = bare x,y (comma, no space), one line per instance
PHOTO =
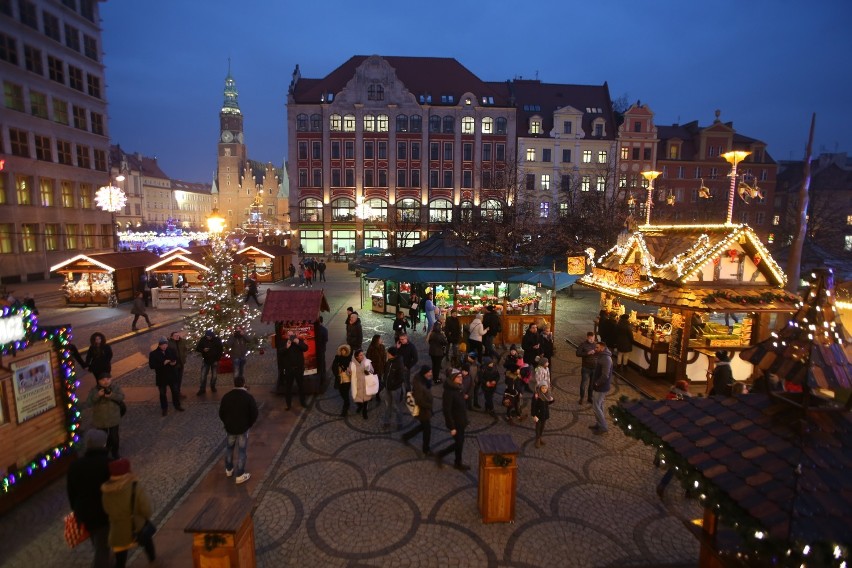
682,265
690,136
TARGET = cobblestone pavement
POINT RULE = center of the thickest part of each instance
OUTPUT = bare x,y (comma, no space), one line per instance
344,492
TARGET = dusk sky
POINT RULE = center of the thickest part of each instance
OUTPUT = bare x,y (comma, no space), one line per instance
766,64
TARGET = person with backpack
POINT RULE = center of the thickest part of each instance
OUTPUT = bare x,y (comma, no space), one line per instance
394,378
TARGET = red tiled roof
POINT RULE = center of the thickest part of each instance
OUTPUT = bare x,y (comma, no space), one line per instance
752,448
293,305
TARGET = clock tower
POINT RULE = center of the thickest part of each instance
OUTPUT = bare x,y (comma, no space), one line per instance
231,122
233,167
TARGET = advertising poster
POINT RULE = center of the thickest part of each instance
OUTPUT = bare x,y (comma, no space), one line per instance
306,334
33,383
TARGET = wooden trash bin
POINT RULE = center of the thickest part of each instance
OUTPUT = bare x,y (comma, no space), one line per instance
223,534
498,481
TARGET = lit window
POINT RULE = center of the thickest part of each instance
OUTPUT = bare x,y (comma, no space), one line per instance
349,123
29,237
602,157
622,180
487,125
440,211
544,209
600,183
545,181
586,183
535,126
776,220
625,153
468,125
587,156
369,123
334,123
382,123
531,154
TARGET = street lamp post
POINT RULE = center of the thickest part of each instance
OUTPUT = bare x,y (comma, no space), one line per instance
733,157
649,175
111,198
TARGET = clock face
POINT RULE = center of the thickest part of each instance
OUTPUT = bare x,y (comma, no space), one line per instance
227,136
240,137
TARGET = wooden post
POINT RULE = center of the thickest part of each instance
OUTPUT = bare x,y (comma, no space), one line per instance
707,555
684,346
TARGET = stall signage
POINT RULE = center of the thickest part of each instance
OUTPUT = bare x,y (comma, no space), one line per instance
12,329
628,274
605,276
33,385
576,265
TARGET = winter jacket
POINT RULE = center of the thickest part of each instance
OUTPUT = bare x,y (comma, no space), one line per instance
489,377
294,356
99,357
491,320
105,410
139,308
400,326
357,373
476,329
437,341
354,335
421,389
602,375
85,477
512,362
531,344
379,357
408,354
723,379
542,376
164,374
238,411
607,329
180,348
452,329
624,337
116,497
238,346
394,374
213,346
586,350
539,408
546,342
340,363
455,410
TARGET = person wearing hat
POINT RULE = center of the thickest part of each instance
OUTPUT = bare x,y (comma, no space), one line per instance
164,361
722,377
542,371
105,398
455,418
540,410
85,477
488,377
210,348
422,392
127,506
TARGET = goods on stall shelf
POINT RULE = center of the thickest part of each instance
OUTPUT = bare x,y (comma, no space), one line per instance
88,285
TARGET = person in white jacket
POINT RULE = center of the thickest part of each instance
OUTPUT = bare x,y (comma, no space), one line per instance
476,330
542,372
359,368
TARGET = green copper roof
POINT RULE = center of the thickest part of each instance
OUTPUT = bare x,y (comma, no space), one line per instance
230,105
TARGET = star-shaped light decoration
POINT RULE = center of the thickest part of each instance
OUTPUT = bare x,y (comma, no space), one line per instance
110,198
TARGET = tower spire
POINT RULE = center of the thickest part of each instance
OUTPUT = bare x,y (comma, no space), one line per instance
230,106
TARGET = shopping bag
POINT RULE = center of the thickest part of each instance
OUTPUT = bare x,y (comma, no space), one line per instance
410,404
75,532
371,383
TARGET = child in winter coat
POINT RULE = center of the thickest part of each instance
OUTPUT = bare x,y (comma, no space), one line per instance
488,377
512,398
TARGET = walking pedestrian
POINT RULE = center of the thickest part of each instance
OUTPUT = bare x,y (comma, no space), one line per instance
377,353
250,284
139,310
321,270
512,397
393,379
422,384
145,288
291,271
301,275
127,506
470,384
488,377
99,356
602,381
178,343
455,418
453,331
354,332
238,347
342,381
476,330
540,411
309,276
164,361
588,351
491,321
294,372
210,347
408,354
437,342
238,413
83,484
321,343
359,368
106,399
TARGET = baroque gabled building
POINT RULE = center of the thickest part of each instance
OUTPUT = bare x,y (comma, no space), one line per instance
53,136
250,195
385,150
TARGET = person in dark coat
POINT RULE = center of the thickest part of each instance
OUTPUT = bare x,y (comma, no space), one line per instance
139,310
294,363
722,377
354,332
250,285
164,361
408,354
601,383
531,344
342,380
437,342
422,385
99,356
623,341
321,271
400,324
491,321
321,342
540,411
238,413
393,393
211,349
178,343
588,351
453,331
488,378
455,418
607,330
546,341
414,310
85,477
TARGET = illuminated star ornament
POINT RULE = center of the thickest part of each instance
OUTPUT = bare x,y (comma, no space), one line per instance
110,198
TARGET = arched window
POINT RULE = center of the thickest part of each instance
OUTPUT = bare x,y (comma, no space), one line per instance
382,123
302,122
440,211
492,209
310,210
449,124
378,210
408,211
435,124
466,211
369,123
468,125
349,123
416,123
343,209
335,123
501,126
488,125
401,123
316,123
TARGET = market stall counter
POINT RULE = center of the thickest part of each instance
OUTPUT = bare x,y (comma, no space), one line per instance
101,278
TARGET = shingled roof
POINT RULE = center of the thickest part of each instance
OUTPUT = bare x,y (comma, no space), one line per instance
293,306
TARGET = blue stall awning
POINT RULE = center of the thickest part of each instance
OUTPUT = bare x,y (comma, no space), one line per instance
548,278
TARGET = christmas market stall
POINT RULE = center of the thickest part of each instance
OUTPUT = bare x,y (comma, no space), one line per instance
186,271
269,262
460,281
39,413
294,312
678,275
95,278
770,468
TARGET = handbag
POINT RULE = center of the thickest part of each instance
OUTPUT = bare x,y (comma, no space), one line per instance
371,384
75,532
414,306
146,533
411,404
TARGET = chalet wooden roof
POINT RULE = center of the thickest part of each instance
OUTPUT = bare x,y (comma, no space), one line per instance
293,305
273,251
178,263
106,262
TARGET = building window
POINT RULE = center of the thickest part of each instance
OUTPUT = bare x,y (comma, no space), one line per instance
382,123
51,236
698,172
33,60
566,156
760,218
335,177
435,124
546,155
60,111
13,96
401,150
565,182
448,178
433,178
378,210
349,150
487,125
674,152
531,154
29,237
72,37
415,178
8,49
529,182
343,210
63,152
492,209
680,172
335,149
67,189
310,210
316,150
90,47
635,153
38,104
545,182
316,123
382,150
55,69
369,123
71,232
602,157
449,125
80,121
97,123
468,125
544,210
434,149
368,178
586,183
625,153
501,126
440,211
301,123
776,220
19,143
42,148
587,156
88,236
448,151
408,211
501,152
349,123
486,152
349,175
28,13
401,178
714,173
599,131
335,123
535,125
303,150
303,177
83,160
75,78
51,26
23,189
415,150
646,153
763,175
467,179
5,238
375,92
87,195
467,152
600,183
316,174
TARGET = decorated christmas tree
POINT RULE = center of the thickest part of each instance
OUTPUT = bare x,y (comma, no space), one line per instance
219,308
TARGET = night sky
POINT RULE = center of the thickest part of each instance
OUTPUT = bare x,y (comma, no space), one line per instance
766,64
